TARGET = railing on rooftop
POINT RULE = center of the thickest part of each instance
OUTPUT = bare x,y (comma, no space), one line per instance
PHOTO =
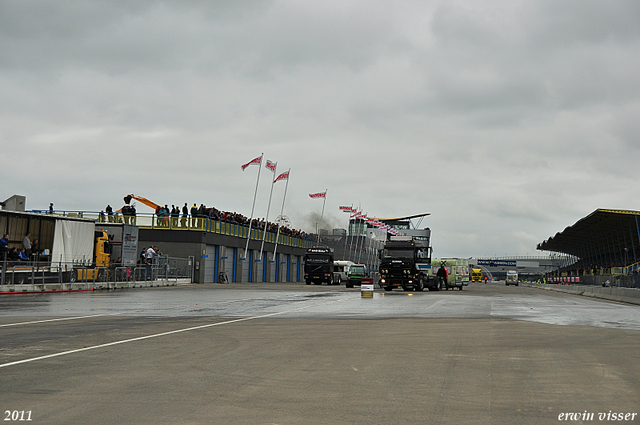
189,223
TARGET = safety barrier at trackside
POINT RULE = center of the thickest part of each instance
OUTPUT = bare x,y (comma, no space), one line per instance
626,295
50,288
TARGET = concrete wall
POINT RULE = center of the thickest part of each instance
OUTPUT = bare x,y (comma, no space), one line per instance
627,295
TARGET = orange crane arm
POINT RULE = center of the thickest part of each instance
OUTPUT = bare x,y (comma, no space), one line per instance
151,204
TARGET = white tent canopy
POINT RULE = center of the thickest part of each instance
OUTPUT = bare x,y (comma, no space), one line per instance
73,241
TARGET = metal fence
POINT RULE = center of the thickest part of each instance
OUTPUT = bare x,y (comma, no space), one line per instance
621,281
163,268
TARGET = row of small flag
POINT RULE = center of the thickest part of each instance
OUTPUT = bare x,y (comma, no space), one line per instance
358,215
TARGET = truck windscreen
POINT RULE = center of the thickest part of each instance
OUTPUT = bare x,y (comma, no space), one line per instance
399,253
316,259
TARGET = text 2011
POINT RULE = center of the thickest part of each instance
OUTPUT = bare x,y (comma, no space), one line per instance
17,415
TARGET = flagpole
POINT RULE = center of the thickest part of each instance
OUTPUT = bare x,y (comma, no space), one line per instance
281,211
266,219
356,227
322,214
345,238
351,248
357,243
253,207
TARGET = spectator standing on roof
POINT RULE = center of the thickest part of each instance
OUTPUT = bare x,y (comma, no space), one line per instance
185,213
202,212
175,213
109,212
51,208
194,213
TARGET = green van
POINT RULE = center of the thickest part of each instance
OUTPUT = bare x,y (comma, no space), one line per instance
355,275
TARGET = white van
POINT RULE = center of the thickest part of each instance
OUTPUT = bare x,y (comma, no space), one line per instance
340,270
512,278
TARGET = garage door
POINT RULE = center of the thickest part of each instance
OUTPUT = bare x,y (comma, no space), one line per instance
209,262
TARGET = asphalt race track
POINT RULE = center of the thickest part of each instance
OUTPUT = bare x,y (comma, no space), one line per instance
296,354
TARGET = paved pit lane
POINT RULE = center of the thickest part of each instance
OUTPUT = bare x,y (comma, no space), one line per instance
297,354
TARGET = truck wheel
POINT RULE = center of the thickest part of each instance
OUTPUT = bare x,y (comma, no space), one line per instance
308,282
388,288
460,287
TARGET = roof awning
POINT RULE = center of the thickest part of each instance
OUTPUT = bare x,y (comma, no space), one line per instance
603,237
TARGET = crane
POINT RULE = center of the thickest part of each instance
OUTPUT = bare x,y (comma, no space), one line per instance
150,204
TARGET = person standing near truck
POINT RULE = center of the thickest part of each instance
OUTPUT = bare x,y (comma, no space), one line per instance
443,276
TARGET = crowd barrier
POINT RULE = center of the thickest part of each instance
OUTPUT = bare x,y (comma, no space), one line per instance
627,295
38,276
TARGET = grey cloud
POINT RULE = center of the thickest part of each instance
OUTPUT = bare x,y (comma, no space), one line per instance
501,119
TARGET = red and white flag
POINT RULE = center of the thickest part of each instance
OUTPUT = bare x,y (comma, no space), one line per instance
256,161
271,165
318,195
348,209
283,176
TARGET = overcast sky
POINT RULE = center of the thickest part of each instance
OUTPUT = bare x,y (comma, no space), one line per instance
507,121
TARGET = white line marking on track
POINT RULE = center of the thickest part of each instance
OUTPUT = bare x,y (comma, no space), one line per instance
56,320
141,338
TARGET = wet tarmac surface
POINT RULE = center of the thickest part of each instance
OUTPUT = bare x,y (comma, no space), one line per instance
292,300
297,354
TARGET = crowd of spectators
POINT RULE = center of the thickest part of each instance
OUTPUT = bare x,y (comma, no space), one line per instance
256,223
182,217
191,217
27,252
